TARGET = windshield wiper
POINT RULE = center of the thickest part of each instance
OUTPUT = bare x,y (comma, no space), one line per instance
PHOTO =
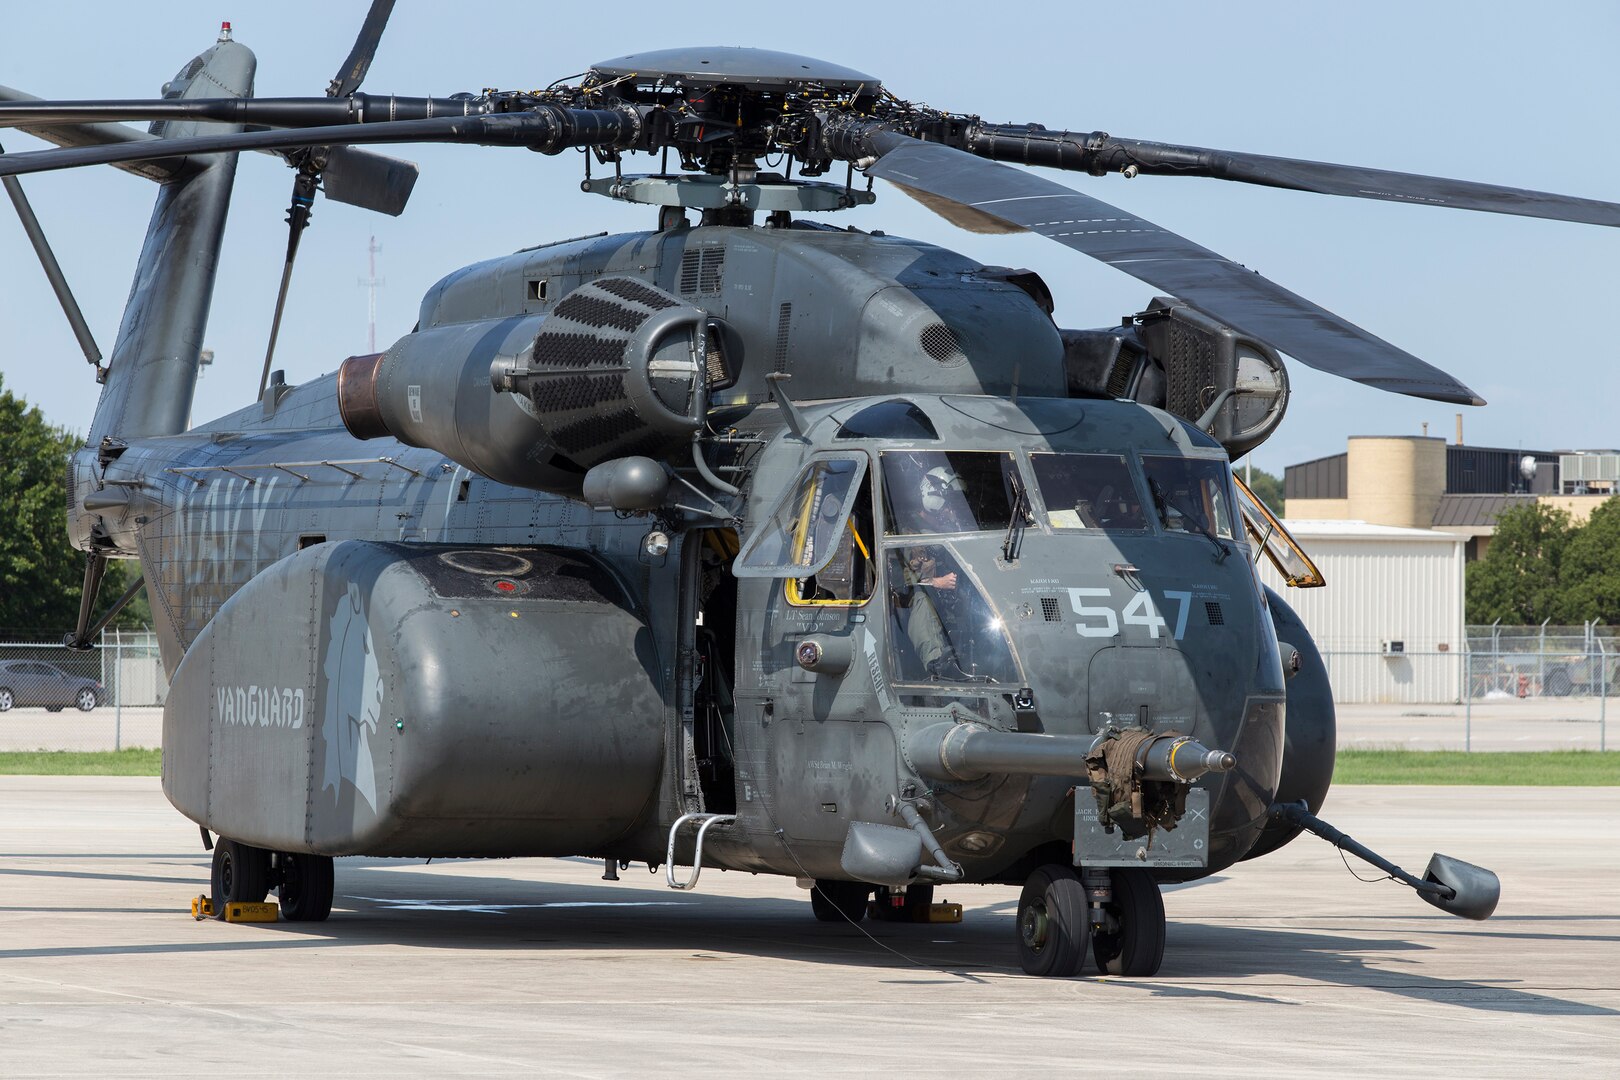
1020,518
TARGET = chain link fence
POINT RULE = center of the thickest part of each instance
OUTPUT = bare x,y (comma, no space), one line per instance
1508,687
1548,684
55,698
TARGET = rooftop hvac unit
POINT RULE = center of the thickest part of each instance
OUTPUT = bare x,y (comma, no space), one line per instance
1589,467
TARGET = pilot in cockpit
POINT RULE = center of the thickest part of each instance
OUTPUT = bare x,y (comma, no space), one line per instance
928,578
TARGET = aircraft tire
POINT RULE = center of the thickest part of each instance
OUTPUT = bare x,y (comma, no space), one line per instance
240,872
837,901
1137,948
306,887
1052,935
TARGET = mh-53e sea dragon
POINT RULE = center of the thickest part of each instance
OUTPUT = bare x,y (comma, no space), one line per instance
750,542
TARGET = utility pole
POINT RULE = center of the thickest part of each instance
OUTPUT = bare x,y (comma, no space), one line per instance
371,284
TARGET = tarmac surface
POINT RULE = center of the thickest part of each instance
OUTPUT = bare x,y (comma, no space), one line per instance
1285,966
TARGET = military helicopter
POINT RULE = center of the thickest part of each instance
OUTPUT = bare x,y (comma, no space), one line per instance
746,542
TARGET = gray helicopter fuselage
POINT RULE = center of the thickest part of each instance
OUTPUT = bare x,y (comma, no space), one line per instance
377,650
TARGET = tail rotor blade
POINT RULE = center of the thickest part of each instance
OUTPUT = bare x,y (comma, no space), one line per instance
310,164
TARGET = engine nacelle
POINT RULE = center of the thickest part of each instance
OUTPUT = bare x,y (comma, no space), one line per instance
444,701
618,368
1179,359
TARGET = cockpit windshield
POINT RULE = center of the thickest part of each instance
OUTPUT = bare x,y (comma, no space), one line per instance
1191,495
936,491
1088,491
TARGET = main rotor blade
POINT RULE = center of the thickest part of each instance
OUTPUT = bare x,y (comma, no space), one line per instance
1099,153
353,71
269,112
549,128
1237,296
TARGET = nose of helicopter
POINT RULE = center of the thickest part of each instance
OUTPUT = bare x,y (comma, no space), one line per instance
1167,637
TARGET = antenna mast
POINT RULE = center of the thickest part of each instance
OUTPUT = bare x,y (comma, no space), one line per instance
371,284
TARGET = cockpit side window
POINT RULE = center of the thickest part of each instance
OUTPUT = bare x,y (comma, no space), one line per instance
1088,491
1191,494
802,533
938,491
845,579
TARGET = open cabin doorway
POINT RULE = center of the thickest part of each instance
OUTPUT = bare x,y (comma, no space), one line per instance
713,707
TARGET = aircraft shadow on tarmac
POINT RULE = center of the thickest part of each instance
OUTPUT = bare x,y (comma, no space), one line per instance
385,902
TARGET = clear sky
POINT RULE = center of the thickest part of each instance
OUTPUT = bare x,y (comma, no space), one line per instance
1519,309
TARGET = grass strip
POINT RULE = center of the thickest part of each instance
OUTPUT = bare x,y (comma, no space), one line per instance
1531,768
1550,768
82,763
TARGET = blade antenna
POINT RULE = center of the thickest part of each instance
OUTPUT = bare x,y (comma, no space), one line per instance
311,162
53,272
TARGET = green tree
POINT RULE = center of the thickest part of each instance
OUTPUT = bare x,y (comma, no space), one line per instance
1268,488
1590,571
41,574
1518,580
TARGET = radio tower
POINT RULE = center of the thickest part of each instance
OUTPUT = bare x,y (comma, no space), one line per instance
371,284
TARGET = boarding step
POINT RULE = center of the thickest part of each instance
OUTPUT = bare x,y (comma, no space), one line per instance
704,823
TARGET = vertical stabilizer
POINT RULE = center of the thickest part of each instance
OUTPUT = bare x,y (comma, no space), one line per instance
153,370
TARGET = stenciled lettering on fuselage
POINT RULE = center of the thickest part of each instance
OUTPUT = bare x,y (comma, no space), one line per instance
354,693
1100,620
260,706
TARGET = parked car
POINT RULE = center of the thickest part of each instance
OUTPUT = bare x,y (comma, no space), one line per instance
31,682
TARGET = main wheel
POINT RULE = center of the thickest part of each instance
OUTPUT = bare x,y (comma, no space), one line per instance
7,699
1052,923
836,901
1136,948
86,699
306,886
241,872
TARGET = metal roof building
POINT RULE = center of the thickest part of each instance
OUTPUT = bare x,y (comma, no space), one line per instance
1389,621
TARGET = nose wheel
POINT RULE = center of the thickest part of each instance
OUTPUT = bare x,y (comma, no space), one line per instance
1130,939
1052,931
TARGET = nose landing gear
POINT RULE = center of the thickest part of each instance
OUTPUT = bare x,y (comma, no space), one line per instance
1117,915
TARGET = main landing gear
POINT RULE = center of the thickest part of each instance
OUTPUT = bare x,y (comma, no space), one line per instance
852,901
246,873
1117,915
